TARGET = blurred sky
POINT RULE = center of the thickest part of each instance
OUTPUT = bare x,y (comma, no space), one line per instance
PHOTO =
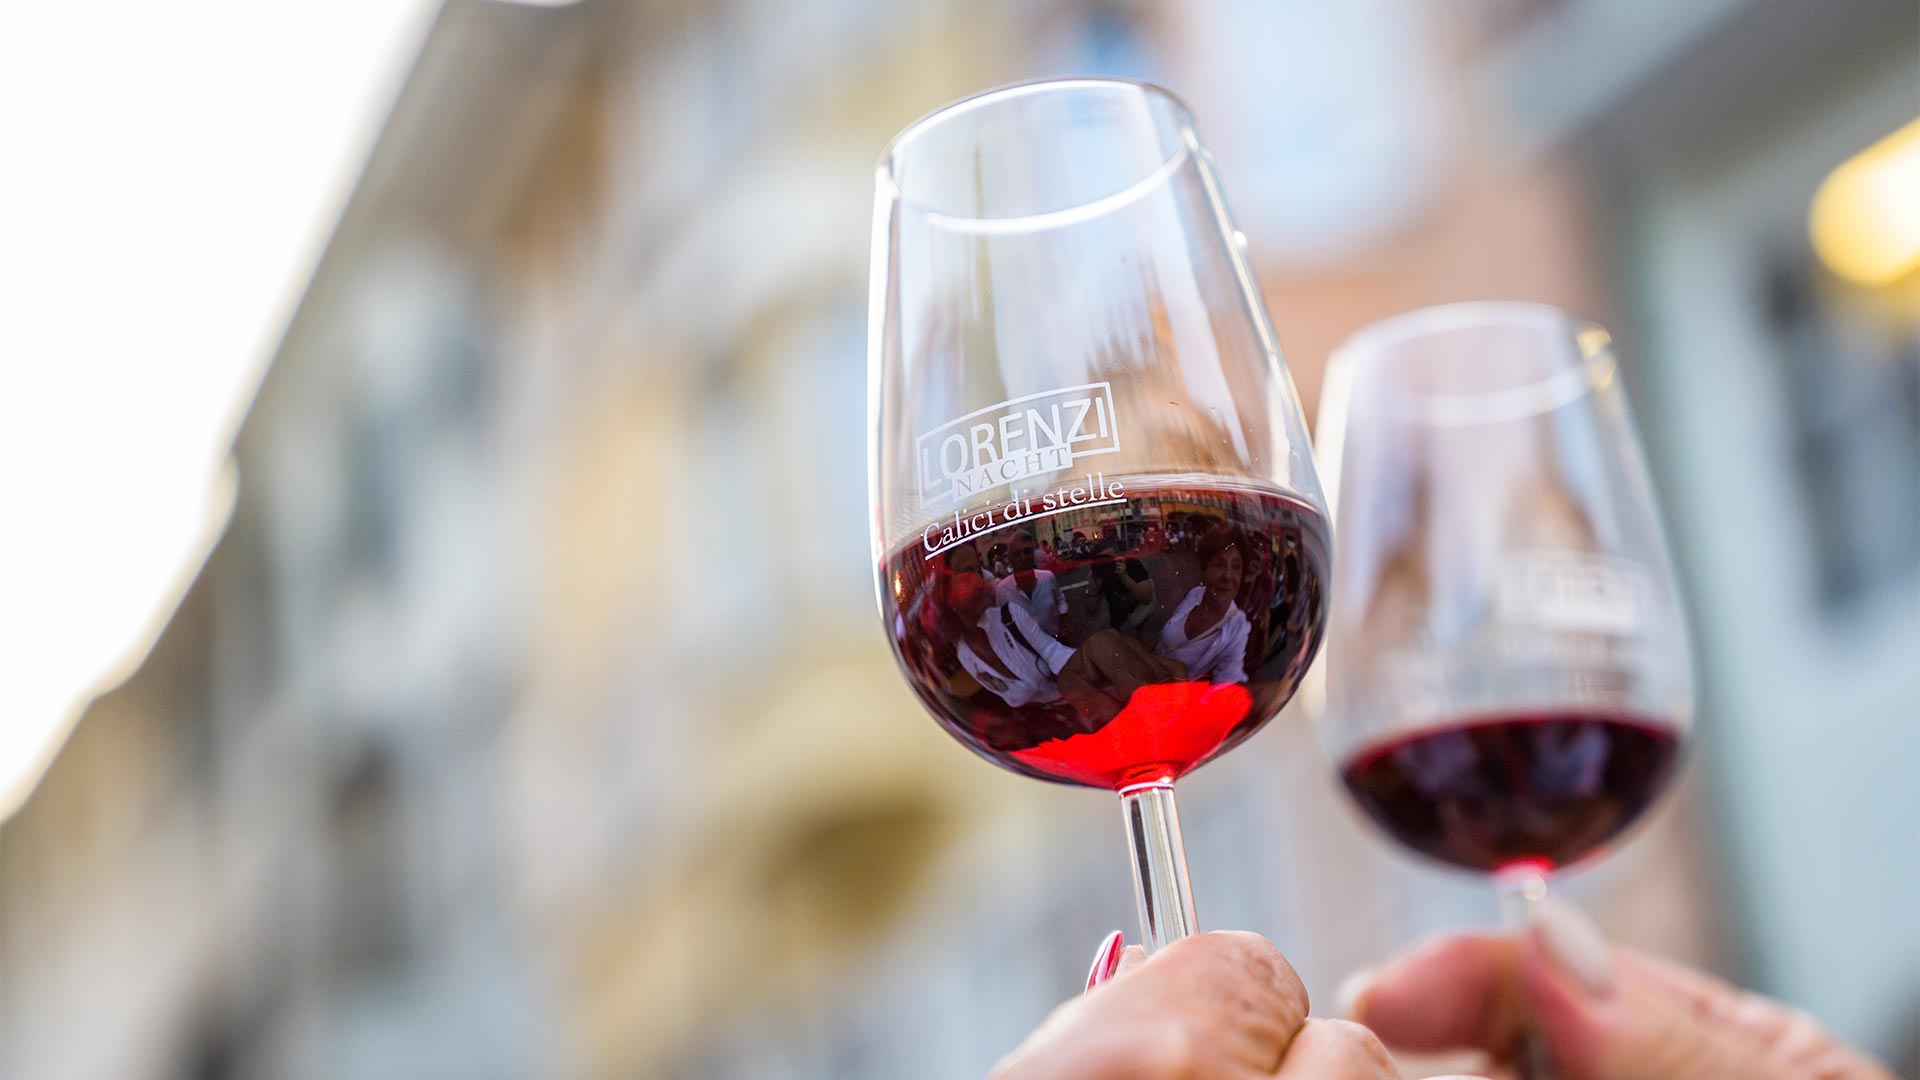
174,171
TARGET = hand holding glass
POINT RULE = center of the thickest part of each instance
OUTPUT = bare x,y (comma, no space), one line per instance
1508,676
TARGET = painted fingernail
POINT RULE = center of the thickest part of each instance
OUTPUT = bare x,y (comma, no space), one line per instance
1105,960
1348,998
1575,945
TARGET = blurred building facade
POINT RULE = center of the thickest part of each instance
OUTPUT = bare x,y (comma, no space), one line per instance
531,718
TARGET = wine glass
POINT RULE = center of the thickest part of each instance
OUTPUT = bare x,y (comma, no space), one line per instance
1100,540
1507,667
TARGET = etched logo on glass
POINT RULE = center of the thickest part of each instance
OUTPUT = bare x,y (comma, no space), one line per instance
1040,433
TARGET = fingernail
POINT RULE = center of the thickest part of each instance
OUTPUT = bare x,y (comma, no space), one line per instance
1347,999
1105,960
1575,945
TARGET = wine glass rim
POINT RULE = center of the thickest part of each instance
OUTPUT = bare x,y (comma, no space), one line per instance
1595,370
1066,215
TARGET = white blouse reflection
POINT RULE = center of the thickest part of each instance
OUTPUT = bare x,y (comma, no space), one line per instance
1208,632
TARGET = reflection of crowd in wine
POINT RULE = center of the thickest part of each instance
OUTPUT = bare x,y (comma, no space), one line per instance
1045,638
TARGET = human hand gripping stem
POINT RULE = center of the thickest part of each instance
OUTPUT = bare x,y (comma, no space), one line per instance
1604,1012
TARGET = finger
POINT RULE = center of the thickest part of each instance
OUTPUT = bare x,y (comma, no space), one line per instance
1449,993
1106,960
1336,1050
1131,957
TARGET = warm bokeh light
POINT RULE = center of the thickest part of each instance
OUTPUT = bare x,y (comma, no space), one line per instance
156,241
1866,216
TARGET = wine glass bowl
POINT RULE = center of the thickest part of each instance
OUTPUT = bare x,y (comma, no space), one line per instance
1099,537
1156,657
1508,682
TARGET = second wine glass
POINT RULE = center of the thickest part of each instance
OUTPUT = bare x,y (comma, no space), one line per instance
1508,678
1098,532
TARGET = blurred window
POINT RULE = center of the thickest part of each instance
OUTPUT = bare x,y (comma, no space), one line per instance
212,1055
1853,395
375,456
1494,21
249,622
1113,37
368,893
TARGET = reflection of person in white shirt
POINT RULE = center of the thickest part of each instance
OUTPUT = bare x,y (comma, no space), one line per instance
1002,648
1208,632
1032,589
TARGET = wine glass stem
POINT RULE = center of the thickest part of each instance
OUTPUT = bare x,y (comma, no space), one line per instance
1522,888
1159,864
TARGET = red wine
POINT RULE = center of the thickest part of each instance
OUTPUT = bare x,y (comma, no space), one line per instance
1546,788
1113,632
